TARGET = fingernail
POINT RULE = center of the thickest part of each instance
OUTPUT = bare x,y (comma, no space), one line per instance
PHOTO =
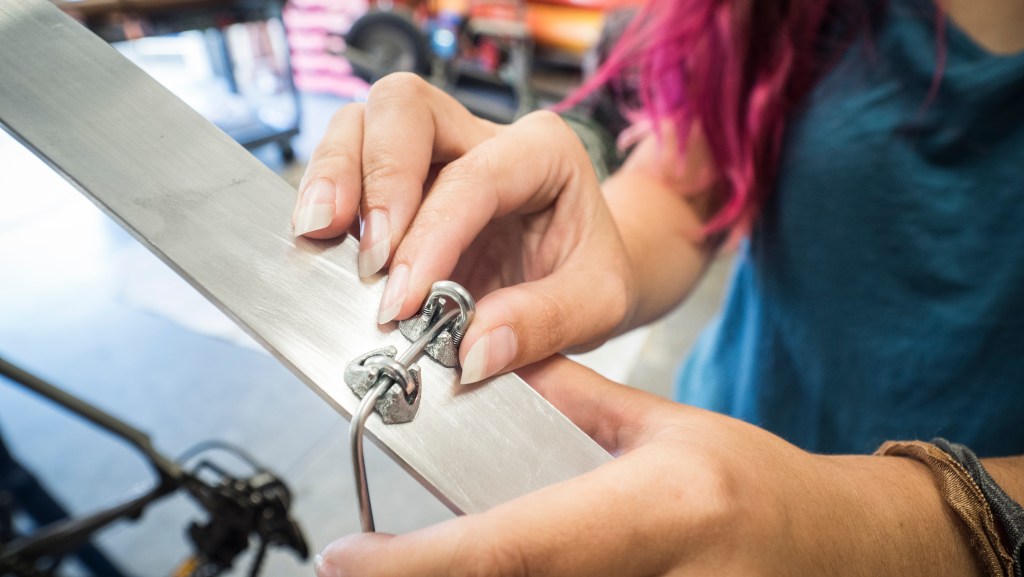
394,294
323,568
316,207
489,355
375,243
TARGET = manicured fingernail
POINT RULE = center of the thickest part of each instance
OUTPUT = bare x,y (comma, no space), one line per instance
375,243
316,207
323,568
489,355
394,294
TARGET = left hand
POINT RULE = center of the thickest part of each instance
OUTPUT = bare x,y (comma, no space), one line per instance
691,493
513,213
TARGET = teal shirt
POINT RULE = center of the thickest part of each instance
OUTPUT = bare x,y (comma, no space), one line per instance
881,293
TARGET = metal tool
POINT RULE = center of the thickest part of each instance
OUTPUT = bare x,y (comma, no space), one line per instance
392,385
220,218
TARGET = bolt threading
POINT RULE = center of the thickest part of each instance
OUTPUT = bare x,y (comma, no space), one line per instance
458,331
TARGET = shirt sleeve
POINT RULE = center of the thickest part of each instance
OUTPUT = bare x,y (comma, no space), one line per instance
598,119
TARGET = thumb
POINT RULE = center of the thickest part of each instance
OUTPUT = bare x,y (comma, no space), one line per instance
524,323
435,550
586,526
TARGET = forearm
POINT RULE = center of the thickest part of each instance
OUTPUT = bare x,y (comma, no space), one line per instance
662,235
886,516
660,200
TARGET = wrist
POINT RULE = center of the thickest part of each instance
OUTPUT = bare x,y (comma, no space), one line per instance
1008,472
885,516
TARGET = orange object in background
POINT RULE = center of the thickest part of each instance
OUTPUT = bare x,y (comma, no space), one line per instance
502,40
563,26
572,26
455,6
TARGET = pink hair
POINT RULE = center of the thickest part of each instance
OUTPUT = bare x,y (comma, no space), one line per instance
732,69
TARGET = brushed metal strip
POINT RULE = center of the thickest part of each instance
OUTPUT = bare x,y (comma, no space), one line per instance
220,219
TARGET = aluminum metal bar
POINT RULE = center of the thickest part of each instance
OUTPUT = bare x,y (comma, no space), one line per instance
221,220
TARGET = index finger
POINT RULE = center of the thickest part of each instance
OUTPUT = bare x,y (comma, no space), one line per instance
408,126
328,196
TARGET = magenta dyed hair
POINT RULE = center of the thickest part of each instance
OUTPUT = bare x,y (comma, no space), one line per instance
734,69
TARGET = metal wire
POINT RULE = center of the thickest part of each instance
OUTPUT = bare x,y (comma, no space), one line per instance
355,439
358,425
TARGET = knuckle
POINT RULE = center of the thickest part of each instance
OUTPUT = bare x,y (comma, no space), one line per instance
615,306
546,119
711,520
333,151
331,159
613,312
557,130
470,181
467,169
398,85
347,113
554,325
379,170
553,124
722,491
718,507
420,234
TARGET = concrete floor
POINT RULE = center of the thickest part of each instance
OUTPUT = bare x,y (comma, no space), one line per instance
72,310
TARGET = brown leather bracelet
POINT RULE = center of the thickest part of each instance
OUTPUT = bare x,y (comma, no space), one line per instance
965,498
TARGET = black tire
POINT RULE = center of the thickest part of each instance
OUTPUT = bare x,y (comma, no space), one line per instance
387,42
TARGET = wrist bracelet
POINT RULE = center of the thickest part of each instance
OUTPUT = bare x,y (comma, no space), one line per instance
963,495
1008,513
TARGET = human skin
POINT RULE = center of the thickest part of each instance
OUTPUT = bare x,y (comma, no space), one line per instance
690,493
516,214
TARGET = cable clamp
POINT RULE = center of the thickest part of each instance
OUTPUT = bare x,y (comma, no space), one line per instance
390,384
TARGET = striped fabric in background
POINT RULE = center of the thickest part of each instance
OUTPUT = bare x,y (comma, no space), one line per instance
315,31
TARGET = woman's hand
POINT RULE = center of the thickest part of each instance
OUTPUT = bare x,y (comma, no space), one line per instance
690,493
514,213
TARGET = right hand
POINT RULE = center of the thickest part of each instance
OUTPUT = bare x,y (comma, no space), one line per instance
514,213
